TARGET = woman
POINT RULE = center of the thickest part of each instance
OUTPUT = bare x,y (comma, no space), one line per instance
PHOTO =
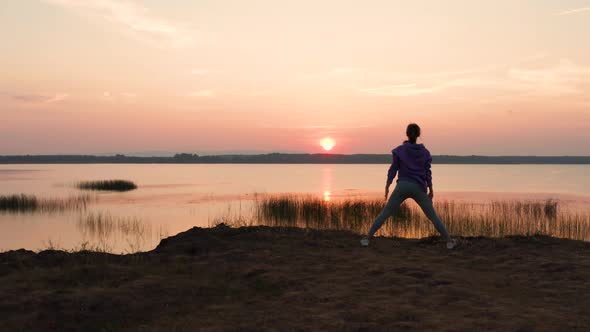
412,161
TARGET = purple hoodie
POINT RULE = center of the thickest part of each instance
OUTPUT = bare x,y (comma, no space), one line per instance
413,163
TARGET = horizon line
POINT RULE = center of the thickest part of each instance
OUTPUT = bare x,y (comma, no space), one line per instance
114,155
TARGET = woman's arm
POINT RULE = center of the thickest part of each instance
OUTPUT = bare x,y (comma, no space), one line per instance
391,173
429,176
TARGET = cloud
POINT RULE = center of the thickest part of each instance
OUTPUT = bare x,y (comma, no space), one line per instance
35,98
346,70
130,95
314,127
57,98
564,78
201,93
414,89
26,98
399,90
258,93
132,19
204,71
574,11
198,72
368,73
118,96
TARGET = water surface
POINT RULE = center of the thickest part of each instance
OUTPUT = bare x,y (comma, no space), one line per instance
174,198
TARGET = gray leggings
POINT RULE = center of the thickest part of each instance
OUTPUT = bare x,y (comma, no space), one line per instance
402,191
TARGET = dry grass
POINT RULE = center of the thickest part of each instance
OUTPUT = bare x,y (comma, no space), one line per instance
494,219
105,231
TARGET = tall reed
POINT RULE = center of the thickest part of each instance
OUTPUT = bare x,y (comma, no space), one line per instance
21,203
494,219
103,230
18,203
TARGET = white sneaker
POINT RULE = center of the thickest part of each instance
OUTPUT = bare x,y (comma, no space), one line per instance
451,244
365,241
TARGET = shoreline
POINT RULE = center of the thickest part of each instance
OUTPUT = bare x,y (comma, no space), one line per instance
288,278
287,158
69,230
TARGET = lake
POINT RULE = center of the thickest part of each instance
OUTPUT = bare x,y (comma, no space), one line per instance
173,198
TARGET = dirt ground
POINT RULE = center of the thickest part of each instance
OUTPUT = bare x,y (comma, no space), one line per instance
263,278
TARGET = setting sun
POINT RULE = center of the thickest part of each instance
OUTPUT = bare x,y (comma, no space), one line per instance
270,146
327,143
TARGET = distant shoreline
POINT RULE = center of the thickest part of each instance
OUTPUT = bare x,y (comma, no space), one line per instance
284,158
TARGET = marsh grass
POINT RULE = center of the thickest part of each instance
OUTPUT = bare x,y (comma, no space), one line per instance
105,231
18,203
493,219
21,203
107,185
99,224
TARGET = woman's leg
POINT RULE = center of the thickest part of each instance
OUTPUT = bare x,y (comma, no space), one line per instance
425,204
395,200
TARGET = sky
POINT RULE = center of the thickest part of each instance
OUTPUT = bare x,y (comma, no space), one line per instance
499,77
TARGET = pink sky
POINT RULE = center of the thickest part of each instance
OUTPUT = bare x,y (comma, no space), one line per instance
117,76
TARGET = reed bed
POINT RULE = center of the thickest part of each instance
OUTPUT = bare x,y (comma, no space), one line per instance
492,219
107,185
22,203
101,225
103,230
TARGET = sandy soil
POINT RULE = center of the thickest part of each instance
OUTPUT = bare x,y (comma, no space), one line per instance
293,279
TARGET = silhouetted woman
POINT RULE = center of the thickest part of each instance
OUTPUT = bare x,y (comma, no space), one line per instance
411,161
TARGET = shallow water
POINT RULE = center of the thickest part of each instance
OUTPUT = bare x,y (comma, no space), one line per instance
174,198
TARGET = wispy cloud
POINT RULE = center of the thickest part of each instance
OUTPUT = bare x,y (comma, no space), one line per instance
132,19
35,98
128,97
204,71
415,89
399,90
198,72
564,78
574,11
258,93
57,98
346,70
372,73
201,93
26,98
314,127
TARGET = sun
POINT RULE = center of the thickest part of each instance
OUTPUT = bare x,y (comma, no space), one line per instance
327,143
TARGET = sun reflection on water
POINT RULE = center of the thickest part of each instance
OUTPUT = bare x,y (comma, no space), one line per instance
327,183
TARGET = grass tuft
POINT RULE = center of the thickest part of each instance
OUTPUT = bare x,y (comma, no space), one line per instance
108,185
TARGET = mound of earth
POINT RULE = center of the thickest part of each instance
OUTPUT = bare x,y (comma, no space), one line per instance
254,278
